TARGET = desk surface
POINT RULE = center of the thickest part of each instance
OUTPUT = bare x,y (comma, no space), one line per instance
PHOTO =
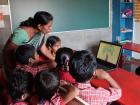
130,84
132,46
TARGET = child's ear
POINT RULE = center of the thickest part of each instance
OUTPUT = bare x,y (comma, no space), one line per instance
94,73
50,45
24,96
31,61
39,26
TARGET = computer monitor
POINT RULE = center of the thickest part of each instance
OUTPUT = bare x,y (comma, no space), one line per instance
108,53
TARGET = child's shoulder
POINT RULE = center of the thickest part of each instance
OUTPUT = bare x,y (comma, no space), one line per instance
21,103
56,99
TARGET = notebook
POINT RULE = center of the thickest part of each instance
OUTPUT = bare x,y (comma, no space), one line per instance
108,55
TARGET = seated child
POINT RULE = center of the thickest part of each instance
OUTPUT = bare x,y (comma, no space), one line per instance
53,43
47,86
19,86
27,59
82,68
62,59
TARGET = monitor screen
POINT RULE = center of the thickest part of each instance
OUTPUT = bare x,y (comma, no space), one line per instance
109,52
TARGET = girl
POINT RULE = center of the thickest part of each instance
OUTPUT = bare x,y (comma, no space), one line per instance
63,56
53,43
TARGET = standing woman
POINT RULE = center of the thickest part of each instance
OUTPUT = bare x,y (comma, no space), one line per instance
31,31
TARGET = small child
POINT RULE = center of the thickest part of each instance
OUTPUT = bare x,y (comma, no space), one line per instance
53,43
19,86
47,85
27,59
82,68
62,59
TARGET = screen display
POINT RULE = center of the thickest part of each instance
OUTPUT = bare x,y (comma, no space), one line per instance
108,52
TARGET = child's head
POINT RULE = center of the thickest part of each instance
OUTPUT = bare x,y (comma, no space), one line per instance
62,57
53,43
20,85
46,84
25,54
82,65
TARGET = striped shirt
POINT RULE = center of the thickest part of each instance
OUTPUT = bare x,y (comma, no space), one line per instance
98,96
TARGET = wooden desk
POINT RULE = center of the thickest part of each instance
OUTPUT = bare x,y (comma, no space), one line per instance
130,84
132,47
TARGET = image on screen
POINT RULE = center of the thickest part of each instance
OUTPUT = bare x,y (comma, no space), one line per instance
108,52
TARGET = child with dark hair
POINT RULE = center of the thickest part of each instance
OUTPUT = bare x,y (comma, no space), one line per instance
47,85
53,43
26,54
27,59
19,86
83,68
62,58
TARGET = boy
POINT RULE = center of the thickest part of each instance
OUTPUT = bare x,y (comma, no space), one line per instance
82,68
19,86
27,59
47,85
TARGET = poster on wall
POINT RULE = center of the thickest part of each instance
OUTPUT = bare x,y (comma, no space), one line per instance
4,10
1,20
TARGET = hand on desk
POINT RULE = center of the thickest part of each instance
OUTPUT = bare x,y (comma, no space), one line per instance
101,74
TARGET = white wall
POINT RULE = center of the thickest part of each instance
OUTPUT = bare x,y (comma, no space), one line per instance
136,38
84,39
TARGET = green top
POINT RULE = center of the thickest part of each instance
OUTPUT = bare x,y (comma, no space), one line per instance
19,36
36,40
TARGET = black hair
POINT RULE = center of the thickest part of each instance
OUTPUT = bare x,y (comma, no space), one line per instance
19,83
52,40
1,94
29,23
46,84
137,71
82,65
23,53
1,88
62,57
42,17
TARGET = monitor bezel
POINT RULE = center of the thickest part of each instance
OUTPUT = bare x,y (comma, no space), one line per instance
105,63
